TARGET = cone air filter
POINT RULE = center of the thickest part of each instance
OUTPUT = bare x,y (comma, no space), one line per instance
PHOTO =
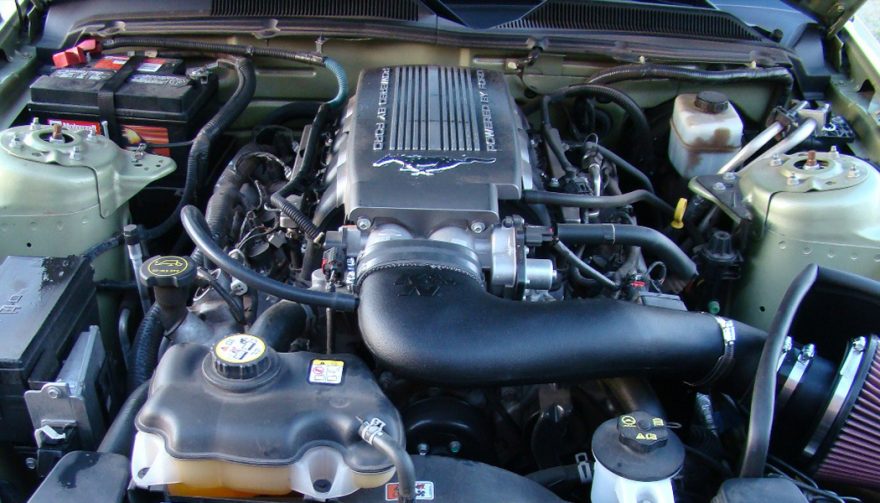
828,414
854,455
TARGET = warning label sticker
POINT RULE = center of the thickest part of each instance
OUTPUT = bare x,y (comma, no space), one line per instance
151,65
424,491
160,80
326,371
77,74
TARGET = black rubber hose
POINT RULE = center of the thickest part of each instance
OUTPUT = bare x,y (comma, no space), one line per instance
632,235
103,247
280,324
119,438
302,220
249,51
641,72
764,392
403,464
220,210
458,334
589,201
197,229
619,98
145,348
199,154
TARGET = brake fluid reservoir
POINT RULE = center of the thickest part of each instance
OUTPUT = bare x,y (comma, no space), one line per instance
64,191
242,420
809,207
705,133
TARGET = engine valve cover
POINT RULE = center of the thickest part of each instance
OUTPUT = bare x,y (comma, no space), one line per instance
428,146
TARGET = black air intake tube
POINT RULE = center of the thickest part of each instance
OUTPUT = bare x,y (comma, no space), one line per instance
439,325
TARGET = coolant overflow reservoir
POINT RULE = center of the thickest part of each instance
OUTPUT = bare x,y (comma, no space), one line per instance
242,420
636,457
705,133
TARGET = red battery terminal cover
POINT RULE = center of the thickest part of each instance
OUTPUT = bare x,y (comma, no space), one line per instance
76,55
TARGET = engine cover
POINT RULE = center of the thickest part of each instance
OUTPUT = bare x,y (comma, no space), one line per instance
430,146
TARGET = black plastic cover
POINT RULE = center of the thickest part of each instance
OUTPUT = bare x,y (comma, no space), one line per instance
85,477
271,421
451,480
777,490
427,145
44,304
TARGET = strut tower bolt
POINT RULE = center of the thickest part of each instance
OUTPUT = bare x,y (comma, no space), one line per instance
811,159
477,227
363,223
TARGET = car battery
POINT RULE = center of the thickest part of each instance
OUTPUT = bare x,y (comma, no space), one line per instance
133,100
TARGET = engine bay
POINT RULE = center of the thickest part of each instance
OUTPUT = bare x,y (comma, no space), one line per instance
656,282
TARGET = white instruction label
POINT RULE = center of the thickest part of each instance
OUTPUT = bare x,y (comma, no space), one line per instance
326,371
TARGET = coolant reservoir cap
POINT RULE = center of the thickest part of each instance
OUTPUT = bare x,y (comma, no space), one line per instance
711,102
241,357
638,446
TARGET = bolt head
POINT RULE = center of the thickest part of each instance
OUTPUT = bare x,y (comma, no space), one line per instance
511,65
730,176
860,344
423,449
363,223
793,180
853,172
719,187
238,288
455,447
53,392
776,161
75,154
30,463
477,227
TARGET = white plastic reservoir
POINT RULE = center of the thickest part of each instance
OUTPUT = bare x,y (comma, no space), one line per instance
705,132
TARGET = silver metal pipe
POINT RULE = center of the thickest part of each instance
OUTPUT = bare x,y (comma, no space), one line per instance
794,139
751,148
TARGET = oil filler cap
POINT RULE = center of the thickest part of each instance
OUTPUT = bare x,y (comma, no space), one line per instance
241,357
166,271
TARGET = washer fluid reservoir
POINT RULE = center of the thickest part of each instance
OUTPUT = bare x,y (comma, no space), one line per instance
241,420
64,191
705,132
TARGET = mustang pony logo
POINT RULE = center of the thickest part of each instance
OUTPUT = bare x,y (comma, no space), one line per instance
420,165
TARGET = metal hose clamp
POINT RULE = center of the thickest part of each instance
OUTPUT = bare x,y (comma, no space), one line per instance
371,429
725,361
